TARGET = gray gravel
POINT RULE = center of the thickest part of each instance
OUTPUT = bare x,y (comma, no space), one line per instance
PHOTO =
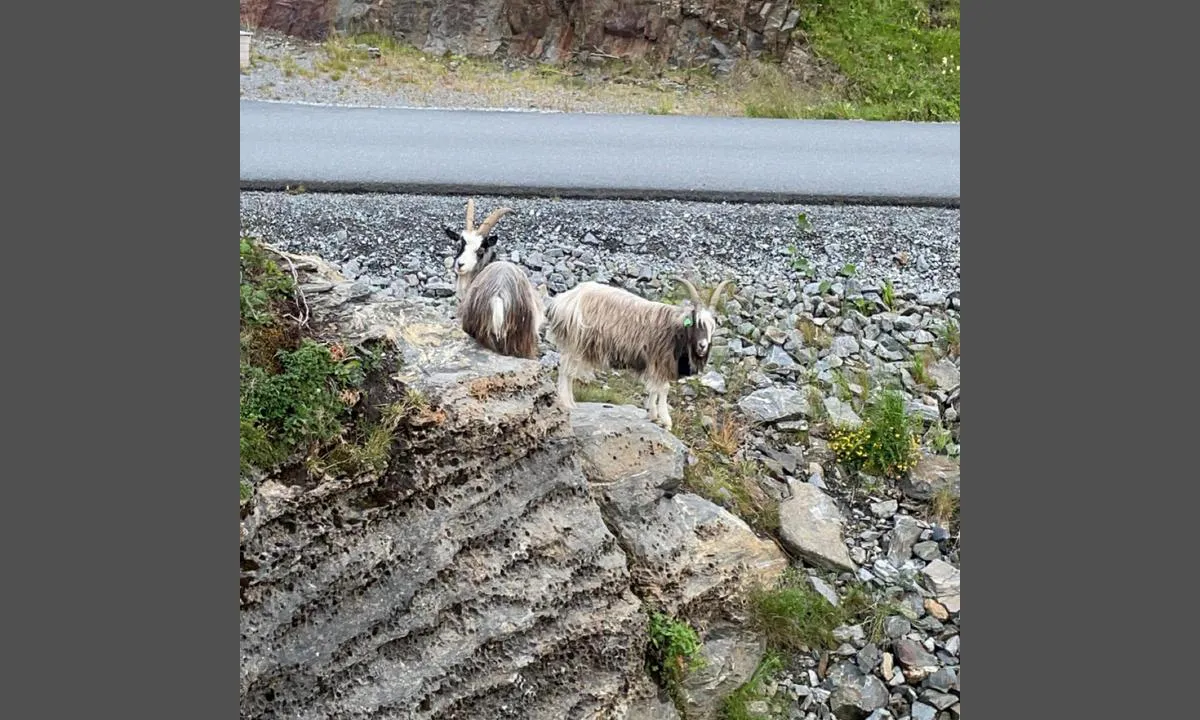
387,237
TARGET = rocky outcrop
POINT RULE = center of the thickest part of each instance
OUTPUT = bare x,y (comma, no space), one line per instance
686,554
716,31
474,579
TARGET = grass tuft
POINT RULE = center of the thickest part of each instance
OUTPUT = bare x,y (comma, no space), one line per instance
886,444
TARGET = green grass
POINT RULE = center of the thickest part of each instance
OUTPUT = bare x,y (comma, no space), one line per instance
948,338
901,57
886,444
298,396
793,617
736,705
674,650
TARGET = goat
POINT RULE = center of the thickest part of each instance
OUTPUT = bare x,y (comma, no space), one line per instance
498,306
596,326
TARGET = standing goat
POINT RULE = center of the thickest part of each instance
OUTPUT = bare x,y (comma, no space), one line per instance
498,306
599,326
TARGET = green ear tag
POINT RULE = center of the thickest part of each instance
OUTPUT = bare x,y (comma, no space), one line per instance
687,321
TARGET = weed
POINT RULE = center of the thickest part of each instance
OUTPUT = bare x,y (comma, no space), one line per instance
864,306
295,393
889,295
793,616
673,651
860,607
736,705
943,507
812,334
918,367
247,492
849,270
803,225
816,404
800,263
665,106
885,444
948,338
824,287
938,437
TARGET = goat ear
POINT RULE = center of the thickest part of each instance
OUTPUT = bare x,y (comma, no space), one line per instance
453,234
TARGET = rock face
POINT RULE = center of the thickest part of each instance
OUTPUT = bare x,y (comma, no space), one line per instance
684,551
730,656
712,30
464,582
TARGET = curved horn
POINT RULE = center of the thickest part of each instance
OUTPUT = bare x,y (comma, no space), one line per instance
712,301
691,290
491,220
470,214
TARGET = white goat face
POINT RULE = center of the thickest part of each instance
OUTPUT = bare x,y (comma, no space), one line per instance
472,251
707,325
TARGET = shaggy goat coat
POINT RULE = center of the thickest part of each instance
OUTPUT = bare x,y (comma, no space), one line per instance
600,326
501,310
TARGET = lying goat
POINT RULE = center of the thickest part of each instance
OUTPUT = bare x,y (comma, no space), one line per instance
498,306
599,327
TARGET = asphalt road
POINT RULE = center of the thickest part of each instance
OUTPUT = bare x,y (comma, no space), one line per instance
356,149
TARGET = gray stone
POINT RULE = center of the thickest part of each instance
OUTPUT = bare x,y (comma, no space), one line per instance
931,475
774,404
810,525
901,539
841,414
655,706
939,700
921,711
844,346
438,289
824,590
944,374
912,655
944,680
952,645
928,413
869,657
856,694
885,508
776,357
885,570
943,580
927,550
713,380
729,655
881,714
850,633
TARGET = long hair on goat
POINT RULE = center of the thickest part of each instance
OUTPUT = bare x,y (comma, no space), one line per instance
600,326
498,306
502,311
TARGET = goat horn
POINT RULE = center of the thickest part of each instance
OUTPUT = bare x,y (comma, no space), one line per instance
470,214
691,290
712,301
491,220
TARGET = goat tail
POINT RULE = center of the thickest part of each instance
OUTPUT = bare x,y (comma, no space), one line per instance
499,310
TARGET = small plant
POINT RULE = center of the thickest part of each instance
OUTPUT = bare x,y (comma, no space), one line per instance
803,224
816,404
736,705
673,651
939,438
793,616
864,306
943,506
824,287
800,263
247,492
849,270
918,367
885,444
889,295
948,338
